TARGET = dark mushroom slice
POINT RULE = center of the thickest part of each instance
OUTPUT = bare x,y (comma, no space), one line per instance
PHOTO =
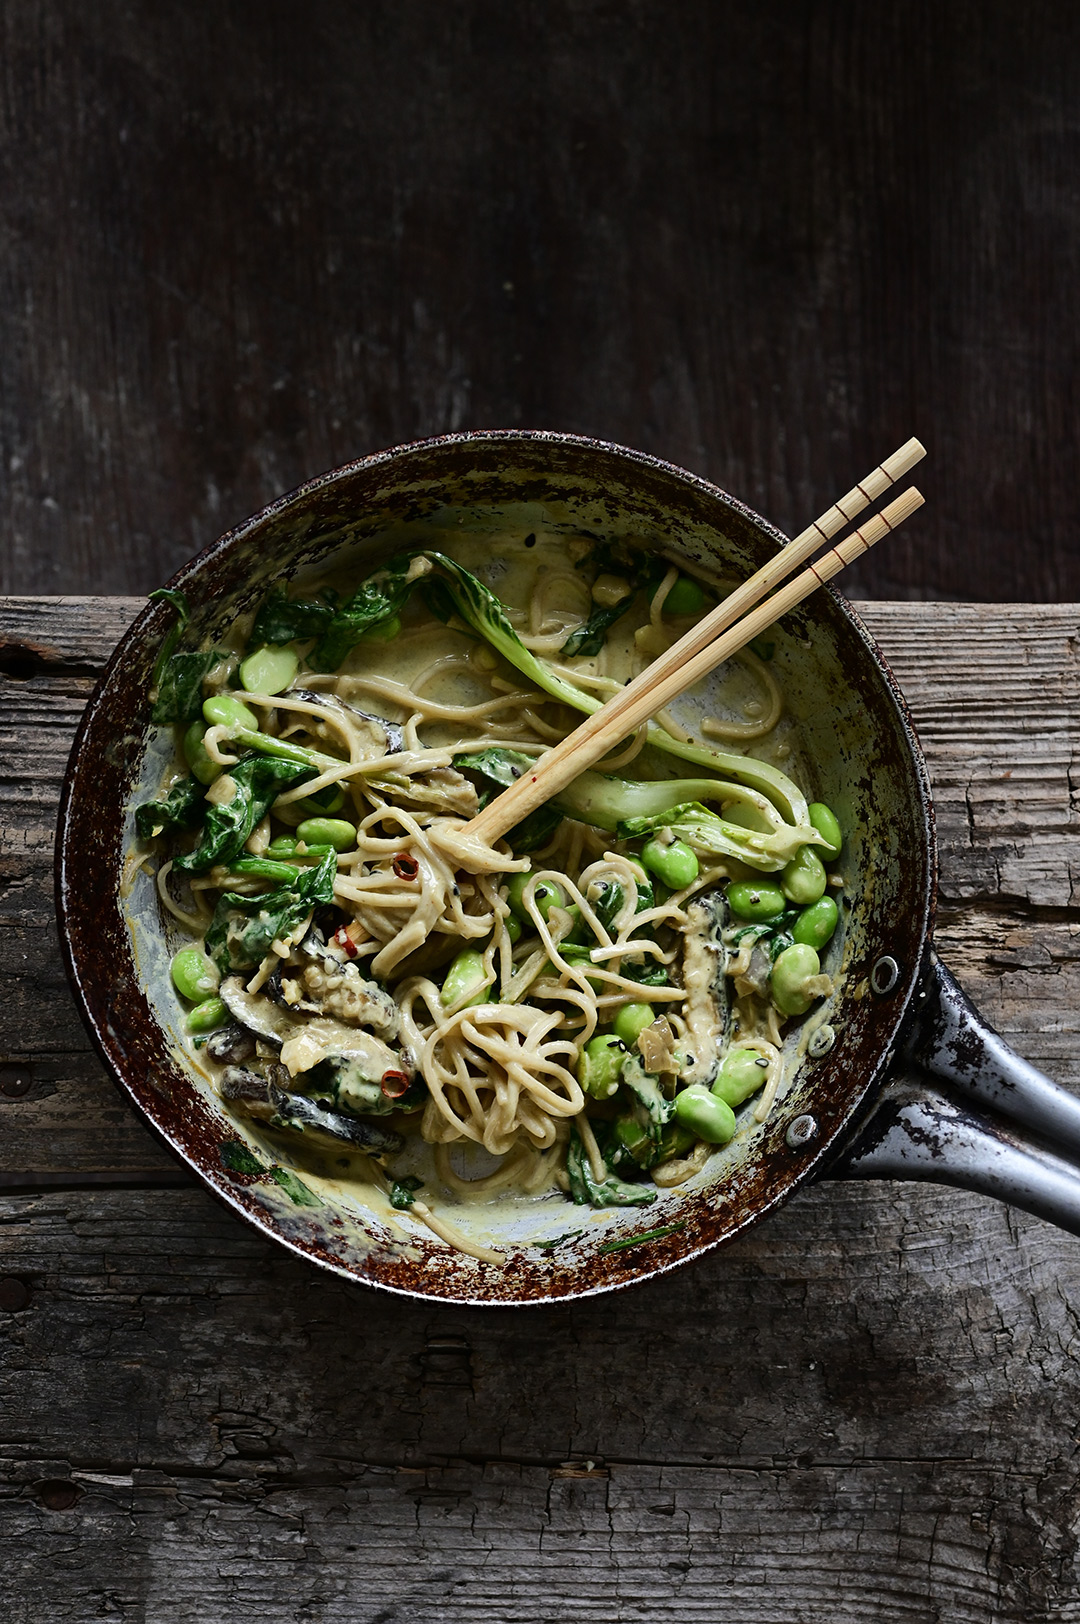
390,732
707,1009
340,991
229,1045
261,1099
257,1014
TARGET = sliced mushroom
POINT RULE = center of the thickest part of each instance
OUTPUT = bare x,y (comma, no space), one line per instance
261,1099
230,1044
706,1009
388,735
266,1019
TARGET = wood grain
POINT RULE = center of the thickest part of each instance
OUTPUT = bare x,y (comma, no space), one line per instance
245,243
863,1411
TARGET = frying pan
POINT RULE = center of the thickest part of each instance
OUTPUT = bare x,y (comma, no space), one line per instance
895,1076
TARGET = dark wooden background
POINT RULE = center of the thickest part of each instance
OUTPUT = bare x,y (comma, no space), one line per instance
242,242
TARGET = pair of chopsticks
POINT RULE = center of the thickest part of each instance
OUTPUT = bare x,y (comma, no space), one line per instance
731,625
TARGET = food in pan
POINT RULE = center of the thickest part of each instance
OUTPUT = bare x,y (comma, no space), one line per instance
596,1005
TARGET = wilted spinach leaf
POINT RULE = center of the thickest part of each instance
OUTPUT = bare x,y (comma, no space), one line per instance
259,780
281,619
182,808
270,916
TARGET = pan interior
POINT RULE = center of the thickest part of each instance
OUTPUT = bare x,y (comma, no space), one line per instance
856,754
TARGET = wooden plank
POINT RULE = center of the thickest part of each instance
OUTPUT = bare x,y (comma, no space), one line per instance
855,1413
767,241
861,1410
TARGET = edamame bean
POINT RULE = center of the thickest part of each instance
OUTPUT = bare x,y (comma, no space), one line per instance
631,1021
816,924
205,1016
803,879
676,864
743,1072
710,1118
756,901
599,1066
675,1140
194,975
685,598
546,895
463,985
221,711
825,821
268,670
195,754
336,832
794,967
513,927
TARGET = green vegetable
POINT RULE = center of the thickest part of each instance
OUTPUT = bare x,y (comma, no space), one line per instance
176,681
258,780
285,620
795,967
631,1021
599,1065
194,975
804,877
268,670
751,900
403,1191
640,1240
652,1110
713,836
708,1116
608,904
634,1141
222,711
384,632
238,1158
202,766
377,600
282,846
336,832
815,924
546,895
675,1140
271,916
207,1015
558,1240
182,808
464,984
323,802
513,927
296,1190
685,598
271,868
609,1192
675,863
496,769
827,826
742,1074
589,637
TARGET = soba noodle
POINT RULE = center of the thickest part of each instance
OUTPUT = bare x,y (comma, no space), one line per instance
584,1003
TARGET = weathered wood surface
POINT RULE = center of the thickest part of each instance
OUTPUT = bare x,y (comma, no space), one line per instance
244,243
864,1411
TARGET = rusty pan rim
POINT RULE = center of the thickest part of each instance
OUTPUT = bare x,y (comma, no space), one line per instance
674,1250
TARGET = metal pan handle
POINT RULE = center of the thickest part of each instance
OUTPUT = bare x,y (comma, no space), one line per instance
998,1125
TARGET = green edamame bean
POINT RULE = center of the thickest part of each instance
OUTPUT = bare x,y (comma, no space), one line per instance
685,598
794,967
631,1021
710,1118
221,711
547,895
755,901
825,821
268,670
196,757
743,1072
599,1066
803,880
816,924
463,985
205,1016
336,832
194,975
513,927
283,846
384,632
676,864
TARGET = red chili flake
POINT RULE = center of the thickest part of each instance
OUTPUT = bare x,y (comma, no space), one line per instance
343,939
405,867
394,1084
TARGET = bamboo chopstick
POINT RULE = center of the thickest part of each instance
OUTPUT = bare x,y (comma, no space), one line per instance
653,689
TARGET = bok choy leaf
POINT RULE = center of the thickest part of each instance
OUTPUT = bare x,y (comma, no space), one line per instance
234,945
